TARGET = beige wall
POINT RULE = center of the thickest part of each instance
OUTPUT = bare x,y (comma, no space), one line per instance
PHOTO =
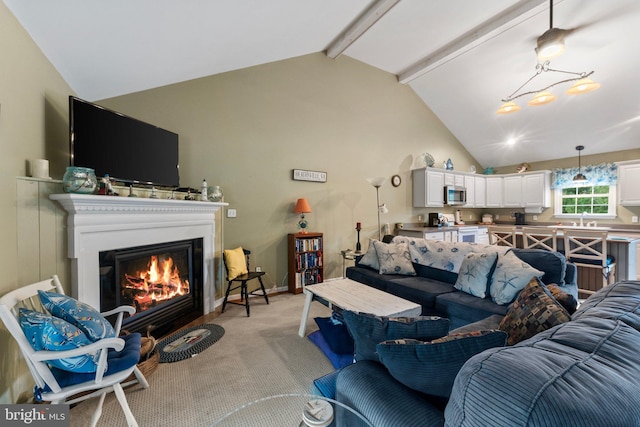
33,124
624,213
246,130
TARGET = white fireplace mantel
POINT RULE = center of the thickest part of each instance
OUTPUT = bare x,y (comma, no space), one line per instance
102,223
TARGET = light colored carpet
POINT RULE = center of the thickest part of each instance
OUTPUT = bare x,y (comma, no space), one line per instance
258,356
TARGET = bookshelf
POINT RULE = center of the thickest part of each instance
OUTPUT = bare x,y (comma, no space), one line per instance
305,260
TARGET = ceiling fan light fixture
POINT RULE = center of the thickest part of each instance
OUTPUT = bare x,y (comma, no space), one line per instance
542,98
550,44
508,107
583,86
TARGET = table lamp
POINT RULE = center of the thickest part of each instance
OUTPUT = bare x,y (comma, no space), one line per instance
302,207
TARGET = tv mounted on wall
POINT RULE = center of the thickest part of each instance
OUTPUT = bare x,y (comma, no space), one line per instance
129,150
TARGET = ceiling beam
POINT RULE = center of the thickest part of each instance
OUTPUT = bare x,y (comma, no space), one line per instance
511,17
359,27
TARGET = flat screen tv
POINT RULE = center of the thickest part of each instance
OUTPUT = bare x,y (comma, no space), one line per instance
129,150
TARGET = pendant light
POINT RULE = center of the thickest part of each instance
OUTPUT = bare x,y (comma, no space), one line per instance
579,176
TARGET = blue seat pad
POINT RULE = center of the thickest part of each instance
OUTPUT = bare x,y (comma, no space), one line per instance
116,361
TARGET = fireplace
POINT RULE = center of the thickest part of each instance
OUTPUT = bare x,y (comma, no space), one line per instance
101,227
162,281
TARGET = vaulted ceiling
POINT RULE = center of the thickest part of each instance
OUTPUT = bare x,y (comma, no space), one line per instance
460,56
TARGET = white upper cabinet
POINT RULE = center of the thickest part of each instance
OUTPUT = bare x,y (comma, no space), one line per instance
536,190
512,191
494,192
629,184
480,191
428,188
470,185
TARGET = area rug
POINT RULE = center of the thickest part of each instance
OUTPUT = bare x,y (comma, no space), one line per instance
188,342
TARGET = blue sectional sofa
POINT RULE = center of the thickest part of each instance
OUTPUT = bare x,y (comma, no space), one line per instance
433,288
583,372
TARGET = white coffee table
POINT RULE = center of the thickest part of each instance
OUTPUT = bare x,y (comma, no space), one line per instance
350,295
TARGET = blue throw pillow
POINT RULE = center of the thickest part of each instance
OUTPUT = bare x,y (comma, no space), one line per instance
553,264
46,332
475,273
336,335
431,367
82,315
368,330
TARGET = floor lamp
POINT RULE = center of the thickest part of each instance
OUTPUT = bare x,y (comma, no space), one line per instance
382,208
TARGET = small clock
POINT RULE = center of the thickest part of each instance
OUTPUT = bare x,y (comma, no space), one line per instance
396,180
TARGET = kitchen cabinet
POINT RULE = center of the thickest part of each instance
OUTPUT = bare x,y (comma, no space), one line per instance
536,190
512,191
494,192
428,188
628,188
480,192
470,184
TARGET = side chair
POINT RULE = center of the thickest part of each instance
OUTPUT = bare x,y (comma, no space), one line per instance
238,269
540,238
116,356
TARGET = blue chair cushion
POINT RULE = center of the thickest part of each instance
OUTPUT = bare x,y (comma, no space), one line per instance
431,367
368,330
337,360
117,361
82,315
610,260
325,385
46,332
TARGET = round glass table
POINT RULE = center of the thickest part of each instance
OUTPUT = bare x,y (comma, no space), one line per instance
289,410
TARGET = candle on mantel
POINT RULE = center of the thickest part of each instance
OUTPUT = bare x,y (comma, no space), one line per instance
358,226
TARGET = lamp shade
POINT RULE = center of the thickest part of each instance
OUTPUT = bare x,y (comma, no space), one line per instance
583,86
508,107
377,182
542,98
302,206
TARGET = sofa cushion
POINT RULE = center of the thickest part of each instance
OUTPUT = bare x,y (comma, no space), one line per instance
581,373
370,258
420,290
368,388
475,273
435,273
533,311
394,258
368,330
462,308
79,314
431,367
620,301
510,277
553,264
46,332
369,277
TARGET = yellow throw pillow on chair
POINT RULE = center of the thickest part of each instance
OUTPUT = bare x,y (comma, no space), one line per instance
236,263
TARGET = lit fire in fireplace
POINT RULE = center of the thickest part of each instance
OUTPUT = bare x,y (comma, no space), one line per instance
160,282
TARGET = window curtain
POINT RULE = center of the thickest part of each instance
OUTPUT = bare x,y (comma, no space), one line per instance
603,174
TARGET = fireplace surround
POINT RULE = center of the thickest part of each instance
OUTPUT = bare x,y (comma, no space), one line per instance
98,224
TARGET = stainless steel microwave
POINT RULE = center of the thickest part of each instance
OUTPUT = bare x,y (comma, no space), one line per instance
455,195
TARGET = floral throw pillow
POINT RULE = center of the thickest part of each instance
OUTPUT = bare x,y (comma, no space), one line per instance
394,258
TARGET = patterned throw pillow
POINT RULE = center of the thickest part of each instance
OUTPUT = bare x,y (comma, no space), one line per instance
535,310
394,258
79,314
368,330
510,277
567,300
370,258
431,367
46,332
475,273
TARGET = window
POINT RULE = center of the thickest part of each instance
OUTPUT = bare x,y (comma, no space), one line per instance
595,200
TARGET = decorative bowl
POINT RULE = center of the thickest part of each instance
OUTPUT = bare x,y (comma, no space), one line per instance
79,180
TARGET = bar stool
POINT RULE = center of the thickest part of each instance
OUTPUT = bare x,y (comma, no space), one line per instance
502,235
588,249
237,266
539,238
